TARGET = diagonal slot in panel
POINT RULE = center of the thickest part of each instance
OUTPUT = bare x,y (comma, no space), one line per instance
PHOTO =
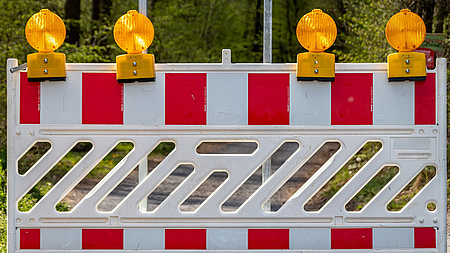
366,194
314,163
276,160
32,157
154,158
168,186
204,191
411,189
97,174
354,164
52,177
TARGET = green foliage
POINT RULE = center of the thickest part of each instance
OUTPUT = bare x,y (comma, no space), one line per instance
365,21
412,189
372,188
351,168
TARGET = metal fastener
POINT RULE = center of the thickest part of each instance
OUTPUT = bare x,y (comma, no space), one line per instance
45,71
45,60
435,220
134,64
421,220
316,71
407,61
407,71
316,62
135,72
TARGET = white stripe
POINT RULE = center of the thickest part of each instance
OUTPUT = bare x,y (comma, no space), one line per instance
393,103
61,238
144,102
393,238
310,102
61,101
227,99
310,238
227,239
143,238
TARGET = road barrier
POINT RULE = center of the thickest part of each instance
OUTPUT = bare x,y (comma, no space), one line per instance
191,104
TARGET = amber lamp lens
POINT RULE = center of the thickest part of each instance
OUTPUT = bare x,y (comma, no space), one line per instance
405,31
316,31
45,31
133,32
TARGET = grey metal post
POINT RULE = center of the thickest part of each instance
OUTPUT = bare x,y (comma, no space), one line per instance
143,11
267,43
143,165
267,58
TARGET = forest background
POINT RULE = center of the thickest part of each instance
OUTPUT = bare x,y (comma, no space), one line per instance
197,31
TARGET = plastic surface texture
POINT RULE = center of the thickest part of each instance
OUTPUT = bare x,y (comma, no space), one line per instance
133,32
315,66
404,66
409,119
45,31
135,68
405,31
46,66
316,31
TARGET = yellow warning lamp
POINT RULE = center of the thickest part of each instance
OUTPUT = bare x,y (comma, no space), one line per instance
316,31
133,33
405,31
45,32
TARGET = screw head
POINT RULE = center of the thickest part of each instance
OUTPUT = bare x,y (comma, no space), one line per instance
407,71
45,71
316,62
135,72
45,60
316,71
134,64
407,61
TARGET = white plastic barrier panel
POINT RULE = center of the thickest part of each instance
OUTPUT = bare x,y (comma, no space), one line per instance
264,104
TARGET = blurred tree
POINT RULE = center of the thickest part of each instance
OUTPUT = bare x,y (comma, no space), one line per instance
72,9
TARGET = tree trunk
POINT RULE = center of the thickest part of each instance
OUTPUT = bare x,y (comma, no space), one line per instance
72,10
101,9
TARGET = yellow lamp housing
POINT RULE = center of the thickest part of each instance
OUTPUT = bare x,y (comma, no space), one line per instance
316,31
405,31
133,33
45,32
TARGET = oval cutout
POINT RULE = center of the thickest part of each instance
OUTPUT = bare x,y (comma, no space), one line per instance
227,148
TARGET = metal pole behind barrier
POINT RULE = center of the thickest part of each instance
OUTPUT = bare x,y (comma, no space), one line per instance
143,165
143,11
267,58
267,44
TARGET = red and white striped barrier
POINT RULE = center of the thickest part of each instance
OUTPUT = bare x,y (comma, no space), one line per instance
228,239
190,104
230,98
